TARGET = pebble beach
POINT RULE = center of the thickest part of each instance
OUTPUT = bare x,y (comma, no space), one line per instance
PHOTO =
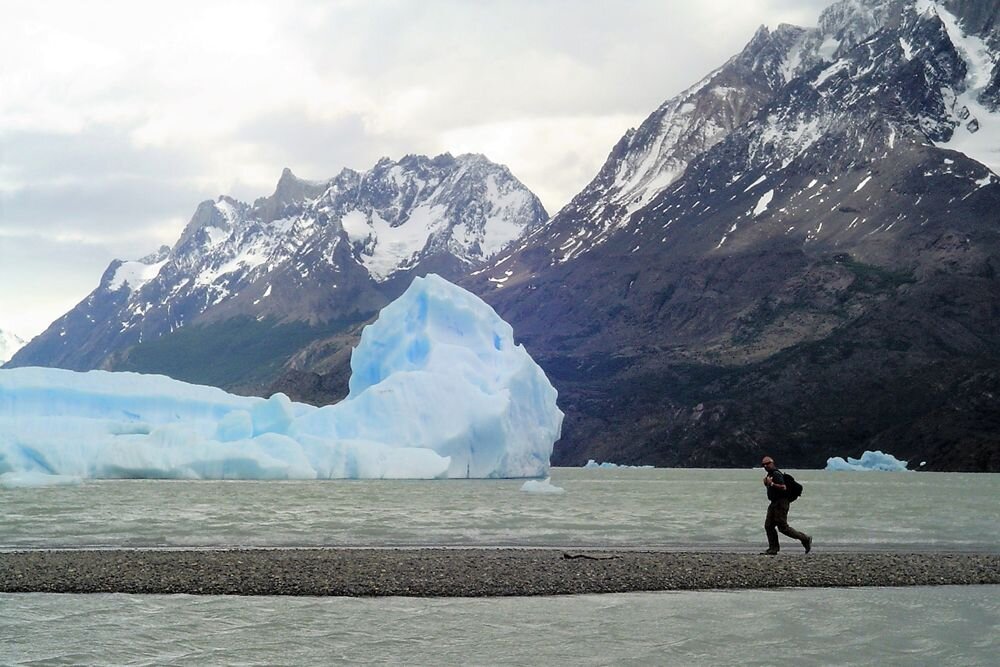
470,572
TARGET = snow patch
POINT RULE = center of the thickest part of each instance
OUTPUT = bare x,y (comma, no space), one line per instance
756,183
134,274
763,203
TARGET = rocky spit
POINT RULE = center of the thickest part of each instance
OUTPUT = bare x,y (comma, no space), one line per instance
461,572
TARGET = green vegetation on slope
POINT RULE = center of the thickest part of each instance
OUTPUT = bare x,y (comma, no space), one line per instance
238,352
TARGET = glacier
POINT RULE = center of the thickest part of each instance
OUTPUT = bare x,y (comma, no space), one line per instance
438,389
870,460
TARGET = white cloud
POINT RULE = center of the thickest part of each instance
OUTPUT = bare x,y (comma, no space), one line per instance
118,117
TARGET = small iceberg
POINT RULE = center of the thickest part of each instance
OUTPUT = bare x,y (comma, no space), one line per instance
613,466
541,486
876,460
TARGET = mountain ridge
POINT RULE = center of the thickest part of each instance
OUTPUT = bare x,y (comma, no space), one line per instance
332,251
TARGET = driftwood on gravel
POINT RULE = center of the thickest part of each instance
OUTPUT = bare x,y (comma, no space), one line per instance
470,572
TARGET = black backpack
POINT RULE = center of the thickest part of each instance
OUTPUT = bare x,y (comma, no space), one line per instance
792,488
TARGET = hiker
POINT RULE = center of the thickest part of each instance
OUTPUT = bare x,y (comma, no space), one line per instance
777,510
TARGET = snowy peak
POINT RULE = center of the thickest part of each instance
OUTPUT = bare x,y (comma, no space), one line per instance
211,221
926,71
290,192
133,275
872,71
9,344
467,208
849,21
650,158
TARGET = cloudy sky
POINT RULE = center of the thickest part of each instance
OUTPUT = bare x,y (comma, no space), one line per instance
118,118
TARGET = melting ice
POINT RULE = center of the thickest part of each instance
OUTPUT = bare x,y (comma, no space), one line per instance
438,389
869,461
591,463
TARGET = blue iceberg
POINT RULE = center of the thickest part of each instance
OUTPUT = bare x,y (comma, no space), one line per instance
869,461
438,389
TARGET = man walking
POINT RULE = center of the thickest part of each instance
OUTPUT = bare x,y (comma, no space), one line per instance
777,510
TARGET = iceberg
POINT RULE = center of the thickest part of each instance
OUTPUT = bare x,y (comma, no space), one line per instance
544,486
869,461
591,463
438,389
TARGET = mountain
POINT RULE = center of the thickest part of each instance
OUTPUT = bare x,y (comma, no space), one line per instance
796,256
246,286
9,344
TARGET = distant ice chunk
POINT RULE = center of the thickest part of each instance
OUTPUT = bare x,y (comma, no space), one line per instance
869,461
541,486
591,463
439,389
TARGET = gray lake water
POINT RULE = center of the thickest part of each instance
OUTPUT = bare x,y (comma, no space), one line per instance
710,509
890,626
644,508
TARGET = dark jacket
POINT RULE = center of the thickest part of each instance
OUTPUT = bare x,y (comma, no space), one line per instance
774,493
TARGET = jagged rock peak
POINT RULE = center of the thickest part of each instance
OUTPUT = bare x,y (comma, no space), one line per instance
290,192
161,254
850,21
208,214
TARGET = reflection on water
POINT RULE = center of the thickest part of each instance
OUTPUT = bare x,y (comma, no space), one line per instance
691,508
890,626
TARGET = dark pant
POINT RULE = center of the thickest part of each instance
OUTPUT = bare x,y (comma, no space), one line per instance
777,517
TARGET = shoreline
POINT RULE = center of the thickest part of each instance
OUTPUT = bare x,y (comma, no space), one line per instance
473,572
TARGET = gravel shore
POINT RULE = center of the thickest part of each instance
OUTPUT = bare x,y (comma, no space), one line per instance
471,572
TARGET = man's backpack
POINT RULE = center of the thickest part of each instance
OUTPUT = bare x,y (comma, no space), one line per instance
792,488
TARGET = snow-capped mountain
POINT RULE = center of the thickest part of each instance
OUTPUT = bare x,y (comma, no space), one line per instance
799,256
9,344
790,61
318,253
814,272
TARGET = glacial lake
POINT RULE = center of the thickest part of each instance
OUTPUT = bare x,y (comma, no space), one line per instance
640,508
674,508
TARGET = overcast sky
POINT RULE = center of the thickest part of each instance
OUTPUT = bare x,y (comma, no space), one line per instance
118,118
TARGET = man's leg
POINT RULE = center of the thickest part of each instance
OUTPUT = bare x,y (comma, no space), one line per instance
772,534
781,521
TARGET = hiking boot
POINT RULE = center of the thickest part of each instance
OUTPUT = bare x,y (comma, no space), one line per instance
808,543
769,552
